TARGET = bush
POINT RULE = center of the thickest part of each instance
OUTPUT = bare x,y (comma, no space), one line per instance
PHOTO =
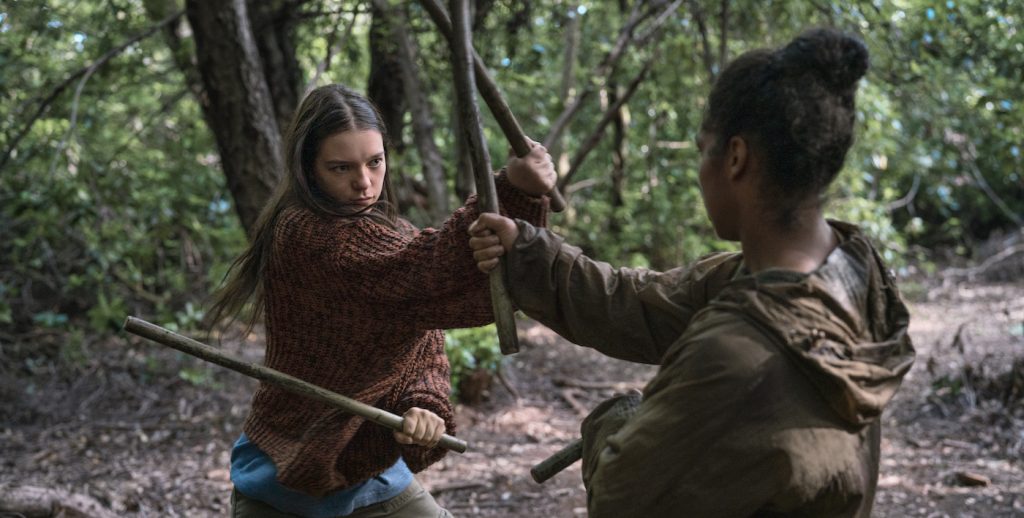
474,355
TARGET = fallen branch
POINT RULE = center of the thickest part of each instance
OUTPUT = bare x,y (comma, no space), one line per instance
568,396
620,386
971,273
455,486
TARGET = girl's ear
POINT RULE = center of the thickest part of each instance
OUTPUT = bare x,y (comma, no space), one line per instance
737,156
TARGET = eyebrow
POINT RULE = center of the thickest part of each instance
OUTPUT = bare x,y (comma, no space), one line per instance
332,161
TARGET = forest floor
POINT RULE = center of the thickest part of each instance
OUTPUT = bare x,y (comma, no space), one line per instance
138,430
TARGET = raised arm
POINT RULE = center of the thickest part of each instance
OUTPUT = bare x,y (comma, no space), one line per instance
626,313
428,278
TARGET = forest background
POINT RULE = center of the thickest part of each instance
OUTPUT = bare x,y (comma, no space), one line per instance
140,138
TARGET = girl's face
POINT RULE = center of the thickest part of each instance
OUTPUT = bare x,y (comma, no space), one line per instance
350,167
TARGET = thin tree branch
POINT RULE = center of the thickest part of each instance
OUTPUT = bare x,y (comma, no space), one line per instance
723,32
334,45
602,71
969,153
84,71
908,198
72,121
164,108
702,28
654,31
595,137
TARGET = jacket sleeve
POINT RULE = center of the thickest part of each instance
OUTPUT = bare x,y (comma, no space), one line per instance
429,279
626,313
693,448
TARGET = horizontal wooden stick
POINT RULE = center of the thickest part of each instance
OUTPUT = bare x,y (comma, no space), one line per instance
292,384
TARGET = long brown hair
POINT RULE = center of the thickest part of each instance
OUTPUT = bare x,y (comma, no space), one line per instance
326,111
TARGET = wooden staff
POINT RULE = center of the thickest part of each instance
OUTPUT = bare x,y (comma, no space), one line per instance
490,93
562,459
290,383
465,86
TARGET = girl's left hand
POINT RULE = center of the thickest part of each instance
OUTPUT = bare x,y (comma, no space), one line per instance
533,173
420,427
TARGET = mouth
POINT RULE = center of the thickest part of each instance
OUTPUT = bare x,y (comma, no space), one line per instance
364,199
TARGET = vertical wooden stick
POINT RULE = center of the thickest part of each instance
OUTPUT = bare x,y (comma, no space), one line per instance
490,93
469,114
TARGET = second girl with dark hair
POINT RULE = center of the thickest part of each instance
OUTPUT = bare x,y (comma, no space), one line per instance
776,362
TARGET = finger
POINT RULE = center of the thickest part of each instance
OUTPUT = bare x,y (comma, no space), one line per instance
479,228
487,265
402,438
482,242
475,228
411,422
436,432
488,254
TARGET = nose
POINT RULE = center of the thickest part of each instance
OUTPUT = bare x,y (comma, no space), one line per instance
361,180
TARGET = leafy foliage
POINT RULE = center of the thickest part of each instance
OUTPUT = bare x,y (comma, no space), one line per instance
471,350
111,203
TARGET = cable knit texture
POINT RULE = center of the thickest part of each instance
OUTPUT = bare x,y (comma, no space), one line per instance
356,307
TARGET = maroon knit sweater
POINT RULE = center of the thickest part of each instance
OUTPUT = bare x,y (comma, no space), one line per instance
356,307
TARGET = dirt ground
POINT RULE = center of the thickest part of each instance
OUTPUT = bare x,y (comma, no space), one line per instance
140,430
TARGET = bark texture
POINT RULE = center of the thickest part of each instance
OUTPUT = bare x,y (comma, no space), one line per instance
241,110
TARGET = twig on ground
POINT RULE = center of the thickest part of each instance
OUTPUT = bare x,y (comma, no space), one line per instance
619,386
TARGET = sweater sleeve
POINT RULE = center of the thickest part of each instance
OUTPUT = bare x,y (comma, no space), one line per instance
627,313
428,388
429,279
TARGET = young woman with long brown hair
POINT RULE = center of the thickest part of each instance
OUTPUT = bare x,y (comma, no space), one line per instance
354,298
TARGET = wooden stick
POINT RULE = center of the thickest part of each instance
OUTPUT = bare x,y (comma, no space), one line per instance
490,93
554,464
469,114
290,383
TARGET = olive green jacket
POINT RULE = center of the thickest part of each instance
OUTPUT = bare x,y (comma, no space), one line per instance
768,398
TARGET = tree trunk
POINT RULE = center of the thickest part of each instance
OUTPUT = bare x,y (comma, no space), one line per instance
183,56
618,160
618,148
419,107
384,85
568,87
241,111
273,25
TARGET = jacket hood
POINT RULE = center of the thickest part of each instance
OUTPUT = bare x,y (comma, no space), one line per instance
844,324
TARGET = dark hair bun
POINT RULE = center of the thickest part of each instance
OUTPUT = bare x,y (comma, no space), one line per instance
838,59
